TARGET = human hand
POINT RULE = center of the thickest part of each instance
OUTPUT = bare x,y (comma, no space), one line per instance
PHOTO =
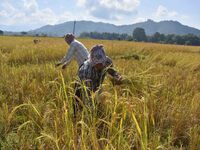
118,79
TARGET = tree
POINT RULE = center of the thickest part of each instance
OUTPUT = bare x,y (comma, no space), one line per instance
158,38
179,39
169,39
1,32
139,34
106,36
191,39
23,33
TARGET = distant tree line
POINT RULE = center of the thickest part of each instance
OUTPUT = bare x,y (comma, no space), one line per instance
139,35
106,36
189,39
1,32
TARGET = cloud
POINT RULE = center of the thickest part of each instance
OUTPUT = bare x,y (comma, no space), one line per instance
124,5
64,17
81,2
30,6
27,12
161,11
3,13
139,19
110,9
164,13
43,16
8,7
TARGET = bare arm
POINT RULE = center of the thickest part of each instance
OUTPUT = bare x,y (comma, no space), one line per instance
111,71
67,58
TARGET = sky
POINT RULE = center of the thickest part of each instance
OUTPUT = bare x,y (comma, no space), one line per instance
24,15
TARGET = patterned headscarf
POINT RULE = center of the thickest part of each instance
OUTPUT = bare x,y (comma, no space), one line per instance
97,55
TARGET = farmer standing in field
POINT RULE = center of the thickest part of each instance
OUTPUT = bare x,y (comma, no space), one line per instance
93,71
76,50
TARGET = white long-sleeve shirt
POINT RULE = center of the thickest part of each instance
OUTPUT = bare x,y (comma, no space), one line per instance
76,50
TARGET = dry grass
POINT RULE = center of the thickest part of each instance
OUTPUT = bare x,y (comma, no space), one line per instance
157,108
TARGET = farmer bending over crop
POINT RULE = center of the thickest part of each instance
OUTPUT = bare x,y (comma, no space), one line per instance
93,71
76,50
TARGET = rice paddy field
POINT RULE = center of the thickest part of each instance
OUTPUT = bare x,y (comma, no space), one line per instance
157,107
